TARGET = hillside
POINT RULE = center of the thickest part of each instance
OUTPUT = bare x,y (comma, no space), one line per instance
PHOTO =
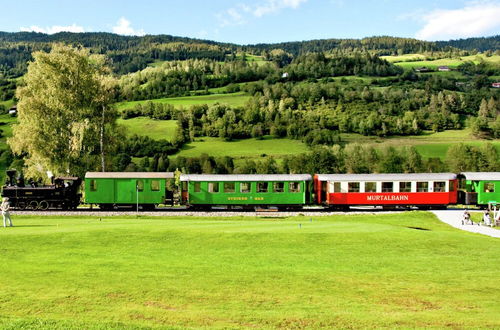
267,107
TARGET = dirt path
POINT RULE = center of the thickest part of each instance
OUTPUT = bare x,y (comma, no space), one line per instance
454,219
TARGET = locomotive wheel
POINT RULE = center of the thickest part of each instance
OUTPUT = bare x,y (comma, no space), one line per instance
21,206
43,205
33,205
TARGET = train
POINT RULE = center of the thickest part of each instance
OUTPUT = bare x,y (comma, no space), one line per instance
148,190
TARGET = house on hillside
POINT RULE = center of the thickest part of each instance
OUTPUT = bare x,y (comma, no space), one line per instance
423,69
444,68
495,85
13,110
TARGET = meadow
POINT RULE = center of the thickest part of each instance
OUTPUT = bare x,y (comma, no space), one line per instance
145,126
232,99
248,148
429,144
348,271
417,60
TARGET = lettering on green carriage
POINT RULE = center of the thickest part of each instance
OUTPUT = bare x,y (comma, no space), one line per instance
237,198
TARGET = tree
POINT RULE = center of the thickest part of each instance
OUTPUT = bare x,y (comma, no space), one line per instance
65,113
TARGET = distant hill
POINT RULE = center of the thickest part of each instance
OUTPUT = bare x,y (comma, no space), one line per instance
132,53
481,44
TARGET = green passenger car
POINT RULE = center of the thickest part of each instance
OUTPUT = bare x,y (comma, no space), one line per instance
246,189
110,189
482,188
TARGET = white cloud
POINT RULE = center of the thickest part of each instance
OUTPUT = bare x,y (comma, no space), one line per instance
54,29
475,19
236,15
272,6
123,27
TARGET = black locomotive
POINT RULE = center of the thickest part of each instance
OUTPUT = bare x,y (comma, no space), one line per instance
63,193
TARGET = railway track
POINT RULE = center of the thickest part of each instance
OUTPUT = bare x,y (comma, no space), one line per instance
176,211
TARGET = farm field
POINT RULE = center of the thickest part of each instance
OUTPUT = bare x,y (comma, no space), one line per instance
399,270
145,126
248,148
406,61
233,99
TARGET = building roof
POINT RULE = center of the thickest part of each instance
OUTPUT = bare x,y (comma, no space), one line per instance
246,177
387,177
494,176
129,175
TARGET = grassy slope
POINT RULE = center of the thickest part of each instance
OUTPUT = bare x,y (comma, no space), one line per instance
405,61
155,129
248,148
234,99
341,271
428,144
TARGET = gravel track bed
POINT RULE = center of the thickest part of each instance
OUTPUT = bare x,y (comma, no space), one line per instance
216,213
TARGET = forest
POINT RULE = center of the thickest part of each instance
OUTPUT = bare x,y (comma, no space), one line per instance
311,91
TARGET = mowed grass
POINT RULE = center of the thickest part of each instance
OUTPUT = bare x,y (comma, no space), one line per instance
233,99
145,126
248,148
347,271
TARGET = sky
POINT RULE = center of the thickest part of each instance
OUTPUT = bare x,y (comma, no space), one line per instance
258,21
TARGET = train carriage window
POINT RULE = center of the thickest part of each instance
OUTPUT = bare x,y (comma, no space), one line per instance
353,187
184,185
489,187
197,187
439,186
452,185
279,187
294,187
229,187
93,185
405,187
370,187
336,187
213,187
139,184
262,187
422,186
155,185
245,187
387,186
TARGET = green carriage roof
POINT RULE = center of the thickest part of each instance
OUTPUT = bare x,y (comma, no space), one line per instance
246,177
129,175
493,176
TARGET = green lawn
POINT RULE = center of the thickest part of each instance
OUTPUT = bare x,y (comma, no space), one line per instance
233,99
145,126
356,271
248,148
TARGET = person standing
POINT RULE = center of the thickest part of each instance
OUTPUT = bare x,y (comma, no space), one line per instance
487,218
5,206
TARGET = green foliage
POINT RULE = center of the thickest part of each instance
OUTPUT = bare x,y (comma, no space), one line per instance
65,118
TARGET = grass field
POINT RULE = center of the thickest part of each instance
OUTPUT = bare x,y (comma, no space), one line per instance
355,271
416,60
233,99
248,148
429,144
145,126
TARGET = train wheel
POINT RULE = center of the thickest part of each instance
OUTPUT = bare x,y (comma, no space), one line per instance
21,206
44,205
33,205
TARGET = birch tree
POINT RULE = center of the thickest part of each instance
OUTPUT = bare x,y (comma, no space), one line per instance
65,115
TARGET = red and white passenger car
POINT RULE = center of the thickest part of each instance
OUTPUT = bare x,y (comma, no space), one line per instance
419,189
